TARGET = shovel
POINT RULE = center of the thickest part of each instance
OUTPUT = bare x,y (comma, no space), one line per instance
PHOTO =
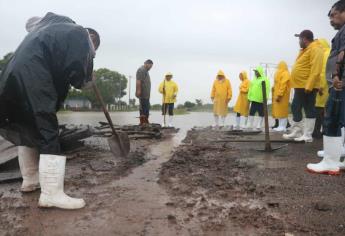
119,141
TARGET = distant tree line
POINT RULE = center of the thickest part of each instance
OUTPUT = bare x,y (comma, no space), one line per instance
111,84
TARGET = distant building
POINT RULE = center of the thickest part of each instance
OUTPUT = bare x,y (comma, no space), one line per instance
77,103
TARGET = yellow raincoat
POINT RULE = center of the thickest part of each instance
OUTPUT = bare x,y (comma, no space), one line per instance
221,95
281,89
171,90
322,99
306,72
242,104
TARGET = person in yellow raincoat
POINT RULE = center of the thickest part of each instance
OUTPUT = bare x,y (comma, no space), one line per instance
281,96
169,89
322,95
305,79
242,105
221,95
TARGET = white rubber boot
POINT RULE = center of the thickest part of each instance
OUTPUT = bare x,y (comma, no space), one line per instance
282,125
216,121
307,136
245,118
28,163
163,123
296,131
222,119
238,123
259,123
321,152
250,124
330,163
171,119
52,173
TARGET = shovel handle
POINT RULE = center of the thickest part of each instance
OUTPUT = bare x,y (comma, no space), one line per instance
106,113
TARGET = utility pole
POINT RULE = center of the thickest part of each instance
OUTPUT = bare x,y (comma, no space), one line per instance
120,95
129,90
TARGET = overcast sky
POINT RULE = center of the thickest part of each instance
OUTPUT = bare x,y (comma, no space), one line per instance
193,39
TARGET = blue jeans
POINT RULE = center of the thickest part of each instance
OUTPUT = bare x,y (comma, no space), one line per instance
334,113
305,101
144,107
256,107
168,107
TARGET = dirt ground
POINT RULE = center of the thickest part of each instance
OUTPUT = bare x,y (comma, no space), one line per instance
234,189
198,187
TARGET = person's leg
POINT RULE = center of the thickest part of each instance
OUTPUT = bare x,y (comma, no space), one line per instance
141,113
51,177
164,112
238,121
333,140
296,108
222,118
252,112
28,162
245,122
146,110
288,125
216,121
309,109
260,119
171,114
276,124
318,123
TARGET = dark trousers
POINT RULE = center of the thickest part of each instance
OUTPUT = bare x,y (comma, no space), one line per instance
168,107
256,107
334,113
320,111
144,107
303,101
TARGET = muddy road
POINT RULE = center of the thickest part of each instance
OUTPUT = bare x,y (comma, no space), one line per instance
197,187
123,196
234,189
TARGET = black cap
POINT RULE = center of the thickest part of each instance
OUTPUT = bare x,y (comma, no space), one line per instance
148,61
306,34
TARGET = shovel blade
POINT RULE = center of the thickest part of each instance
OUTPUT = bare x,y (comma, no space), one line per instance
120,145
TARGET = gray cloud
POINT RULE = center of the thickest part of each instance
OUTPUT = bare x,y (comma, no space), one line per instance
192,39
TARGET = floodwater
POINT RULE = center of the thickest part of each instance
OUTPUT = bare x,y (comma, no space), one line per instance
183,122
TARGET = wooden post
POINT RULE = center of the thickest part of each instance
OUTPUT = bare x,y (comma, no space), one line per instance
268,147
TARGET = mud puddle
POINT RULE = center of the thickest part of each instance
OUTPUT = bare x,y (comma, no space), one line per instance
121,200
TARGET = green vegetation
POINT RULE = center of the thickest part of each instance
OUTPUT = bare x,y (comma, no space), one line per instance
5,60
111,84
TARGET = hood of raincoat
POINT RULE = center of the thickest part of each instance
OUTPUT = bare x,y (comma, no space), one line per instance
50,19
282,66
221,73
260,69
244,76
324,43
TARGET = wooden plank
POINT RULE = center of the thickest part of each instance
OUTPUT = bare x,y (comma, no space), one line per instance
6,177
7,151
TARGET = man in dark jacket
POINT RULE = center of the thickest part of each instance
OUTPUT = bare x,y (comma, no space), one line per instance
55,54
333,141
